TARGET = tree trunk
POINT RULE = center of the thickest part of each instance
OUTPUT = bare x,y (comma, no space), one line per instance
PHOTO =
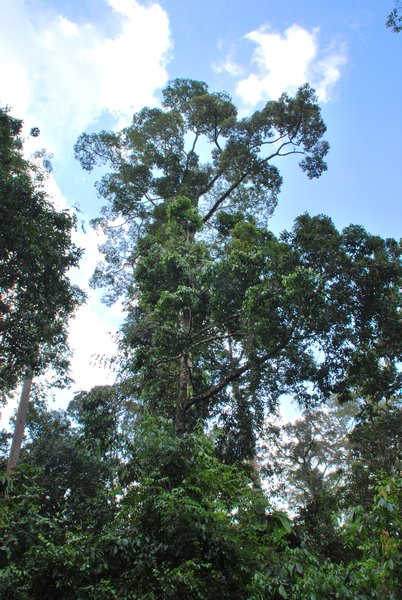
184,380
20,422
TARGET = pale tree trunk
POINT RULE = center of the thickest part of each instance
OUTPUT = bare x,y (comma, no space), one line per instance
185,388
20,422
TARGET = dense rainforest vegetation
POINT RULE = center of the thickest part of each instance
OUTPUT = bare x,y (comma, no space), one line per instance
180,481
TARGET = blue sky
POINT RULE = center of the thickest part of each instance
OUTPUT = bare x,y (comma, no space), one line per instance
74,65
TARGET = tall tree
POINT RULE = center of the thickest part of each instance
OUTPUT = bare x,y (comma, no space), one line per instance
36,253
163,186
223,317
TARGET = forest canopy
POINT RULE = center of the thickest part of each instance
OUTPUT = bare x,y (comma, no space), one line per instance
176,481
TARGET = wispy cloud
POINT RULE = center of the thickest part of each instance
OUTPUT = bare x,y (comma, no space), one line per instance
92,331
282,61
64,75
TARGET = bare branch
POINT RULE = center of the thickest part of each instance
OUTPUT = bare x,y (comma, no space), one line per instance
223,197
233,376
215,338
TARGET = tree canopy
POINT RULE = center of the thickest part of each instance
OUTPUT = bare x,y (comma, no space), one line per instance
36,253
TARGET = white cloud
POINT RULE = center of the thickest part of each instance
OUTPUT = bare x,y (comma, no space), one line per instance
282,62
62,76
330,69
229,66
90,329
99,343
93,329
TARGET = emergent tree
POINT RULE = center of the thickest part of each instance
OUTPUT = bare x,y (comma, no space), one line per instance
223,317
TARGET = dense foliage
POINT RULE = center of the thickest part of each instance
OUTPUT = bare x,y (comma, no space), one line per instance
36,253
154,488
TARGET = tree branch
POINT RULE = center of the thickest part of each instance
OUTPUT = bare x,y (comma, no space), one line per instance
223,197
211,184
232,377
190,153
211,339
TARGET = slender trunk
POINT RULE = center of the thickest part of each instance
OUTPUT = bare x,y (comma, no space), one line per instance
185,389
20,422
185,392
